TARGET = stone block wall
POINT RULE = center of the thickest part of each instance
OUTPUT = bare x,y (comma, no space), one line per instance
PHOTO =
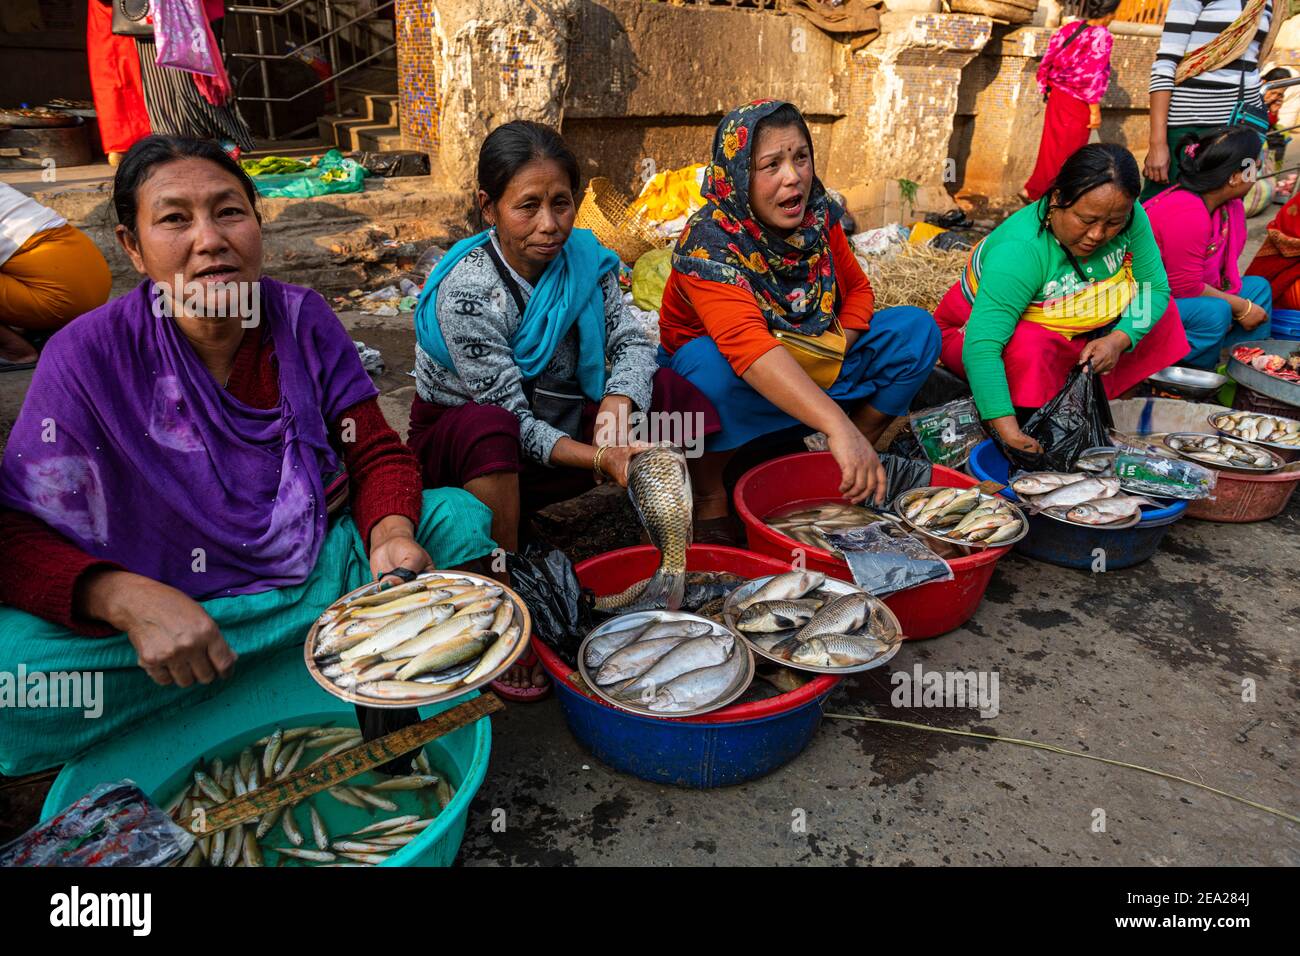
1000,111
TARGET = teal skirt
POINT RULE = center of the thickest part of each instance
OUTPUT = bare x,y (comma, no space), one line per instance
62,693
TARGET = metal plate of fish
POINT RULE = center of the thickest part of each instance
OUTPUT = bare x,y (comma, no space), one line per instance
1241,426
889,642
982,500
693,627
453,680
1058,514
1182,444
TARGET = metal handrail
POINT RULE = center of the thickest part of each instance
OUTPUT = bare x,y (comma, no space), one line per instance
329,38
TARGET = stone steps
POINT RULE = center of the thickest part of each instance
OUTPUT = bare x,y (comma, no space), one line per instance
374,126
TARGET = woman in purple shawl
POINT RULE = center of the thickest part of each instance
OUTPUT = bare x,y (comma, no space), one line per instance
199,469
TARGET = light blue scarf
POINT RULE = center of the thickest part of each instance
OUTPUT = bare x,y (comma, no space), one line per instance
567,292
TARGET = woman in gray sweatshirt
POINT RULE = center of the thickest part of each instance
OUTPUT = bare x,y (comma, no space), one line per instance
533,378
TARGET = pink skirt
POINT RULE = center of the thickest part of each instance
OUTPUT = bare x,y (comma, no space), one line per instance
1039,360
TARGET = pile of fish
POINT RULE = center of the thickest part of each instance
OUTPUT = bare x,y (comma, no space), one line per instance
1251,426
1078,498
664,663
808,525
660,489
419,640
275,757
794,617
1286,368
961,515
1224,452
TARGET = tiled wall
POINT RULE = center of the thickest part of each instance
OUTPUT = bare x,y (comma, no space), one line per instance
419,62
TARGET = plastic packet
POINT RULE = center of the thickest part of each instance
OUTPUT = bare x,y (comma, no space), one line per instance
949,432
561,611
1164,477
903,474
885,558
113,825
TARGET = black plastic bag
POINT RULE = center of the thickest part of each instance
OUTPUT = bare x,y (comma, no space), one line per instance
561,610
903,474
1076,419
392,163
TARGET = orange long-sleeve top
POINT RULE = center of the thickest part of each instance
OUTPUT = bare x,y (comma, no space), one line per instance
731,317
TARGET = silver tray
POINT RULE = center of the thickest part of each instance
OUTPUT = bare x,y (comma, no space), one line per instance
1286,452
522,618
1193,382
1127,523
1262,382
1278,462
624,621
835,586
901,502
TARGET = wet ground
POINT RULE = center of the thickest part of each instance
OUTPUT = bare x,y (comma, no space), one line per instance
1144,666
1148,666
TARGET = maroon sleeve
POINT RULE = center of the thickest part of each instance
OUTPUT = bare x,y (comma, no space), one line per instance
40,570
383,472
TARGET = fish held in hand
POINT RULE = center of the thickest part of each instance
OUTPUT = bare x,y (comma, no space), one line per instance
660,488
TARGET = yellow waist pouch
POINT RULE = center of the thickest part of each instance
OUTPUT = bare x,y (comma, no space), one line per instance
821,356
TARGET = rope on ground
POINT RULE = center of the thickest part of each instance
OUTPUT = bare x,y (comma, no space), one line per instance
1038,745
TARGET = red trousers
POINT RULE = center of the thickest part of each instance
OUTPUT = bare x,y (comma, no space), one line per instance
1065,130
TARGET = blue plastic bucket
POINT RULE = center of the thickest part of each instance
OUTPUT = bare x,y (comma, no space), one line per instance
1076,546
1286,324
688,754
160,754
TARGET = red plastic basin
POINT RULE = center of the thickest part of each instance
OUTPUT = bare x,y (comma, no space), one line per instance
1240,497
614,571
813,477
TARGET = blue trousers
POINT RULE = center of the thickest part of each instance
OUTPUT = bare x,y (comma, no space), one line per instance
1209,326
886,366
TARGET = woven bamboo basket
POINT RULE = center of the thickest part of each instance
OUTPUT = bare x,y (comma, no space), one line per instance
1012,11
605,211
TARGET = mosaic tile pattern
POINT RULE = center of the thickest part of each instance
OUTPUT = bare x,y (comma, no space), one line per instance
419,64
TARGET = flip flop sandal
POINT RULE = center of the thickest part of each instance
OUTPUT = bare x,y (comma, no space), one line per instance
523,695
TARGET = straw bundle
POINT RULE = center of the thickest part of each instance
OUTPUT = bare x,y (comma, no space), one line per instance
915,275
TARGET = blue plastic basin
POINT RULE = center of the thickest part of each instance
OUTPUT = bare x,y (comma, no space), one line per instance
1076,546
160,755
1286,324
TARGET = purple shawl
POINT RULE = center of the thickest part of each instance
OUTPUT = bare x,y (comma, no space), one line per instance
129,447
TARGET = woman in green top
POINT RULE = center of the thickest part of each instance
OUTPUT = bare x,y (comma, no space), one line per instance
1075,277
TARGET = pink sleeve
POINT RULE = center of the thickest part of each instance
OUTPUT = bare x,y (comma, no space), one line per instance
1044,67
1236,243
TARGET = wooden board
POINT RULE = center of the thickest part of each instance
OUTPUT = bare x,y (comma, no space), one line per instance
343,767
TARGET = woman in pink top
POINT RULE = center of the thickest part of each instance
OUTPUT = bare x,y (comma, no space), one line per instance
1072,78
1200,226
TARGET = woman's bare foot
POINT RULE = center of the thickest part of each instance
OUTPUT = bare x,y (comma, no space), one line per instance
15,348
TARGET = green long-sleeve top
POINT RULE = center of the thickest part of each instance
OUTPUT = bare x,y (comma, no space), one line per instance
1017,266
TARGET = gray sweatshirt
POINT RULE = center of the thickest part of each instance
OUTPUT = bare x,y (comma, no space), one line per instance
478,318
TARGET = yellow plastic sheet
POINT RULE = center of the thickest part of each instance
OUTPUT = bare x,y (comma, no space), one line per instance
670,194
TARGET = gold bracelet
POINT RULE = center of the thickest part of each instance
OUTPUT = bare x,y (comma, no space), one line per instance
595,463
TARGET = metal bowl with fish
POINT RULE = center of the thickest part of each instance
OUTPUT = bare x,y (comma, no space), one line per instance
665,664
807,621
962,516
435,638
1079,498
1281,435
1224,454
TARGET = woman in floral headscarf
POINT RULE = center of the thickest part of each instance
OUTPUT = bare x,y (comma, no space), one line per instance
768,313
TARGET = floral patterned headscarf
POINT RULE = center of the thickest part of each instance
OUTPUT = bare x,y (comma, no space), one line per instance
793,278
